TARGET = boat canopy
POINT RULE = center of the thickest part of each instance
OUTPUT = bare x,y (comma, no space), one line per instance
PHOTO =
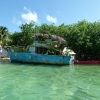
51,40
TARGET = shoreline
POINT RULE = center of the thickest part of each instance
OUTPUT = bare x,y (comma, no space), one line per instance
4,59
7,59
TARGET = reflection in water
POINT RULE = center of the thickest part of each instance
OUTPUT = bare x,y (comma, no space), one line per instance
20,81
71,68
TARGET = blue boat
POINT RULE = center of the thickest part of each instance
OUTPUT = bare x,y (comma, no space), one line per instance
42,52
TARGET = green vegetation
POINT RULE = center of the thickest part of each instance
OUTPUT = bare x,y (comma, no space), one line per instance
83,37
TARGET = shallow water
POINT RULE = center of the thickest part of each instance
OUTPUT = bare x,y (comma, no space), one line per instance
19,81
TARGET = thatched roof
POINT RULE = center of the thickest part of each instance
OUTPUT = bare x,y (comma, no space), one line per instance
42,36
60,40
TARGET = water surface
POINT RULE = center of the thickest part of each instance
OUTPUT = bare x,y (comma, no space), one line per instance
19,81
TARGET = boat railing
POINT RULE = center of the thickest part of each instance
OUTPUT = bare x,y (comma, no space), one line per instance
18,49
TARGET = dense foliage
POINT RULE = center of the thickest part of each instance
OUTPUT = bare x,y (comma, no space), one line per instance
3,34
82,37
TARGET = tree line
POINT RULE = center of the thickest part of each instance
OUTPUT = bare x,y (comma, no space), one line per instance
83,37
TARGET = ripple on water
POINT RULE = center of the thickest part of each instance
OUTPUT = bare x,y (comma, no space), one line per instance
20,81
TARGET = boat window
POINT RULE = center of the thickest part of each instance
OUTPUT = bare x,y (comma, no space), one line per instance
41,50
32,49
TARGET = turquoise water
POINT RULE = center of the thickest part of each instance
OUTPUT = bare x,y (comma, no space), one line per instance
20,81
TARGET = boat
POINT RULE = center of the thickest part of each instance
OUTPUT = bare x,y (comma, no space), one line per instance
44,51
87,62
3,52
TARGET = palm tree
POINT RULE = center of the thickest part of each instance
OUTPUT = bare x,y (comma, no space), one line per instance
3,33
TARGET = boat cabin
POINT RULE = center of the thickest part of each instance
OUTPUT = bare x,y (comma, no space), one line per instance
43,50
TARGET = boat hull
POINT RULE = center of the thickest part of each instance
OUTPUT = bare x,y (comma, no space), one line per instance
87,62
40,58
